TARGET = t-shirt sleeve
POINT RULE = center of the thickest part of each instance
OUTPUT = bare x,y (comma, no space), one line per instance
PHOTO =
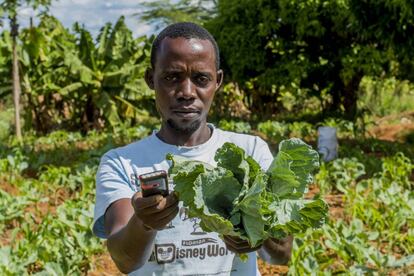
262,153
112,184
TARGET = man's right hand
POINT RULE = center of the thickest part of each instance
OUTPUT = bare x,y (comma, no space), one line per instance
156,211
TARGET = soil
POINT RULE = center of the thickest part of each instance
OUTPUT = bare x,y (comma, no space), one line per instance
103,266
389,129
272,270
6,235
9,188
335,201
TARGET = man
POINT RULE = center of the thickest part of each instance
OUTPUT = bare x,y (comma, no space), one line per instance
153,235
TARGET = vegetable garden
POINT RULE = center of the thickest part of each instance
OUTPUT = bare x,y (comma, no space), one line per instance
82,96
47,195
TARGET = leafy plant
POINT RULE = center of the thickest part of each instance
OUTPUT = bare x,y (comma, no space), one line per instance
385,203
302,130
11,208
274,131
237,198
340,174
14,164
240,127
385,96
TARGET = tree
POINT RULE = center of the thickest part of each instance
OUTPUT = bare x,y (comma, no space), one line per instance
312,48
164,12
10,7
298,45
389,23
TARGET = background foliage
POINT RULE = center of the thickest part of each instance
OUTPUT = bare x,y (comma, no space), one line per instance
290,66
71,81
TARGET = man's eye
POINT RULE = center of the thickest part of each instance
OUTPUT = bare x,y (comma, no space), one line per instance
203,79
171,78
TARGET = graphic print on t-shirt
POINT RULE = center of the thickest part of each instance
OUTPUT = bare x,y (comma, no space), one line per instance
183,213
195,244
165,253
189,249
134,183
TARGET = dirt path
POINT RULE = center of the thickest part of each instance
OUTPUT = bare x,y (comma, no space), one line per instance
393,128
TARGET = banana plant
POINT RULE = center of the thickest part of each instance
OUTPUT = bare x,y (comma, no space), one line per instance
44,73
73,82
10,8
107,77
5,64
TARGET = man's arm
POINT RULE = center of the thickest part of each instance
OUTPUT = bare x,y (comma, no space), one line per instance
131,228
276,251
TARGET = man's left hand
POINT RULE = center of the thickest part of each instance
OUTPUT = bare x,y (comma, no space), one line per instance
238,245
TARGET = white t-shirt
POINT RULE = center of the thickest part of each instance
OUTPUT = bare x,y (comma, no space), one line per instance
182,248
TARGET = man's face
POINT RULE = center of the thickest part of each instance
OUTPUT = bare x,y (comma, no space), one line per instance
185,80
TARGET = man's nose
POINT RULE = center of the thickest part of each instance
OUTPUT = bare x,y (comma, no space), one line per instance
186,89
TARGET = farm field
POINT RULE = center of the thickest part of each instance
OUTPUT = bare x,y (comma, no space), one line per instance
47,196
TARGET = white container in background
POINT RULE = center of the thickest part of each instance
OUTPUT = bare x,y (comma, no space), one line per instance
327,143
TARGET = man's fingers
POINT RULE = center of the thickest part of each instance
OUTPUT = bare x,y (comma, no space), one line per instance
232,239
235,241
162,205
245,246
238,249
164,221
232,249
169,217
168,212
171,199
140,202
238,245
157,215
241,250
256,248
155,211
247,250
146,202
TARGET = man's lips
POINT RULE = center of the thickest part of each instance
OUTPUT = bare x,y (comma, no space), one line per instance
186,112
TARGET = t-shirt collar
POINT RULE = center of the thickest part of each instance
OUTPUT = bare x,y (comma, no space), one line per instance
187,150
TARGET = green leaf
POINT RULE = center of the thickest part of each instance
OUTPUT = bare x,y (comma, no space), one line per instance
232,157
70,88
218,191
294,216
251,208
291,170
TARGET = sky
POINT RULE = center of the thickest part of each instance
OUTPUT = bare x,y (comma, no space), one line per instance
93,14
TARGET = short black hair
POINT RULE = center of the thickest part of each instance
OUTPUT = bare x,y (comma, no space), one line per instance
186,30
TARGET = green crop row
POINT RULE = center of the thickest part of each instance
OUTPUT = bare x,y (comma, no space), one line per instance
375,235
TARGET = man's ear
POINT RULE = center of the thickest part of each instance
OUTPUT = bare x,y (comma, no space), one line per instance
220,76
149,78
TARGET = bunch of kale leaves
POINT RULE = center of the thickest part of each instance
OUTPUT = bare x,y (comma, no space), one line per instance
237,198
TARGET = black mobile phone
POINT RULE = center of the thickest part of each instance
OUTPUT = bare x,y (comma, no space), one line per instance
154,183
